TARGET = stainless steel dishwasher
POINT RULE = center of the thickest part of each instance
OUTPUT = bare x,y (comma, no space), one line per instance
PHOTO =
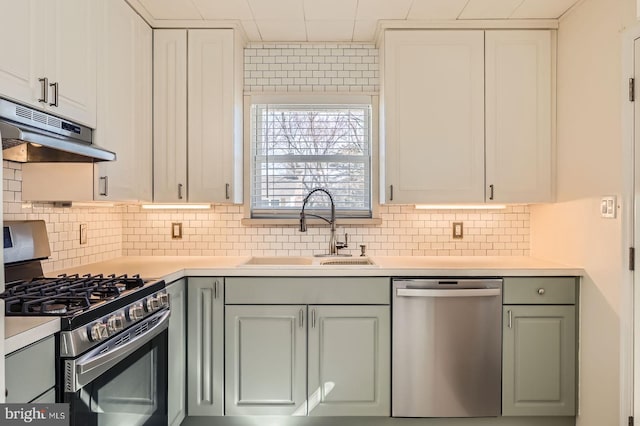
446,347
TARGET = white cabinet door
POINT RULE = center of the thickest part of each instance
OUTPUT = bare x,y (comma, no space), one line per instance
434,125
349,358
205,383
124,104
71,58
518,116
170,116
177,392
211,115
265,360
21,62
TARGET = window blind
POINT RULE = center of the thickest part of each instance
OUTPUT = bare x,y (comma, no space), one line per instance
299,147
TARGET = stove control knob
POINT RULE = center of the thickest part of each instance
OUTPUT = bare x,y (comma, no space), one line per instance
115,323
164,299
98,332
136,312
153,303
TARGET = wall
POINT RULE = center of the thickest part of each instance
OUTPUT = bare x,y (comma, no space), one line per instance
589,164
63,225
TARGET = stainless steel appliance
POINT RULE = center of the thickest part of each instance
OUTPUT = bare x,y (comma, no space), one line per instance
30,135
112,350
446,347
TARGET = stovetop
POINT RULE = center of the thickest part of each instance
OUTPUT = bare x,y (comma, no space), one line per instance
76,299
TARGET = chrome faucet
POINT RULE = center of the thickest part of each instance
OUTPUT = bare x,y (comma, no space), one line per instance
334,245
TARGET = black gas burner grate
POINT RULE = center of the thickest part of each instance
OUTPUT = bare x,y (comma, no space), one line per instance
65,294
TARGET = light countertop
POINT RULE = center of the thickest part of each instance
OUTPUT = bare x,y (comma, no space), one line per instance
22,331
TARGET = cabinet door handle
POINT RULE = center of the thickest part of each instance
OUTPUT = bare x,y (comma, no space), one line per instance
491,192
55,94
215,289
179,191
313,318
105,179
509,320
44,90
227,191
390,192
301,318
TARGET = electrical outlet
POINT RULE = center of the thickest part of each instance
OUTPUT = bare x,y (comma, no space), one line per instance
83,233
458,230
176,230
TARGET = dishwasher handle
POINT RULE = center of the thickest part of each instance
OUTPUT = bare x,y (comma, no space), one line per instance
475,292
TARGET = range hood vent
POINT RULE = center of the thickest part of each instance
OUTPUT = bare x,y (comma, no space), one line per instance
29,136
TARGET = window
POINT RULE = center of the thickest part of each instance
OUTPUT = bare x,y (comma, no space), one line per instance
299,147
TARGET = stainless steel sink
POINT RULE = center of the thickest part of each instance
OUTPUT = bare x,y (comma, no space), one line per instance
297,261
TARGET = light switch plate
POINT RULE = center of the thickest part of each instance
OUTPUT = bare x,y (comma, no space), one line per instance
608,207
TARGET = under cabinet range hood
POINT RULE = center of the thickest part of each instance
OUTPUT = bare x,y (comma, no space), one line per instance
30,136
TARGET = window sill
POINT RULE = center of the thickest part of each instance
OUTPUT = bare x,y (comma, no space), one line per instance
310,221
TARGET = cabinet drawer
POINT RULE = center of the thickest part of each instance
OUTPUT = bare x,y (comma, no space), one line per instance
30,371
317,290
539,291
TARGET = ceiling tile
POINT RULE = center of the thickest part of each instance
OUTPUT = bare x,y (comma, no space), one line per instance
321,30
489,9
280,30
364,30
277,10
330,9
251,29
542,9
436,9
223,9
171,9
382,9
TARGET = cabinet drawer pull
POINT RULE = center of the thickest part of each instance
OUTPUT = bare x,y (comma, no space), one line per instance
105,179
55,95
541,291
509,321
44,90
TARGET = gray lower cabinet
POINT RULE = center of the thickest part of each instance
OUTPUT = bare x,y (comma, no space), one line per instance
539,347
176,404
307,360
30,373
205,350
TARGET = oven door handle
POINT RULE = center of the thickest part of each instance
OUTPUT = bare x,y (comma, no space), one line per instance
99,364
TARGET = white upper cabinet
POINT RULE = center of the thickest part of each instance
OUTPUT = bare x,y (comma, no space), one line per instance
518,114
51,60
198,116
466,116
124,104
433,103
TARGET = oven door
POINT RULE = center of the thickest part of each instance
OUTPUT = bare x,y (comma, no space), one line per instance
123,386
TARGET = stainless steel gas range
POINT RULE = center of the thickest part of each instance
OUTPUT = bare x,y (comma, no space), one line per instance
112,348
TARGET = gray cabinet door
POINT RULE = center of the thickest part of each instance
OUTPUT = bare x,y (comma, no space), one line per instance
265,356
349,361
539,364
205,350
177,353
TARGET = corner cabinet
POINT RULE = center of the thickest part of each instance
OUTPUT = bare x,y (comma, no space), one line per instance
299,359
539,347
205,348
47,65
452,97
177,392
124,104
198,116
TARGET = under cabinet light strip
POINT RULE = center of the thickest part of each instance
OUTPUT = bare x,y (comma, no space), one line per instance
460,206
176,206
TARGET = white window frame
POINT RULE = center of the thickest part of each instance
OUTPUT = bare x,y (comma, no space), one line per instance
291,99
